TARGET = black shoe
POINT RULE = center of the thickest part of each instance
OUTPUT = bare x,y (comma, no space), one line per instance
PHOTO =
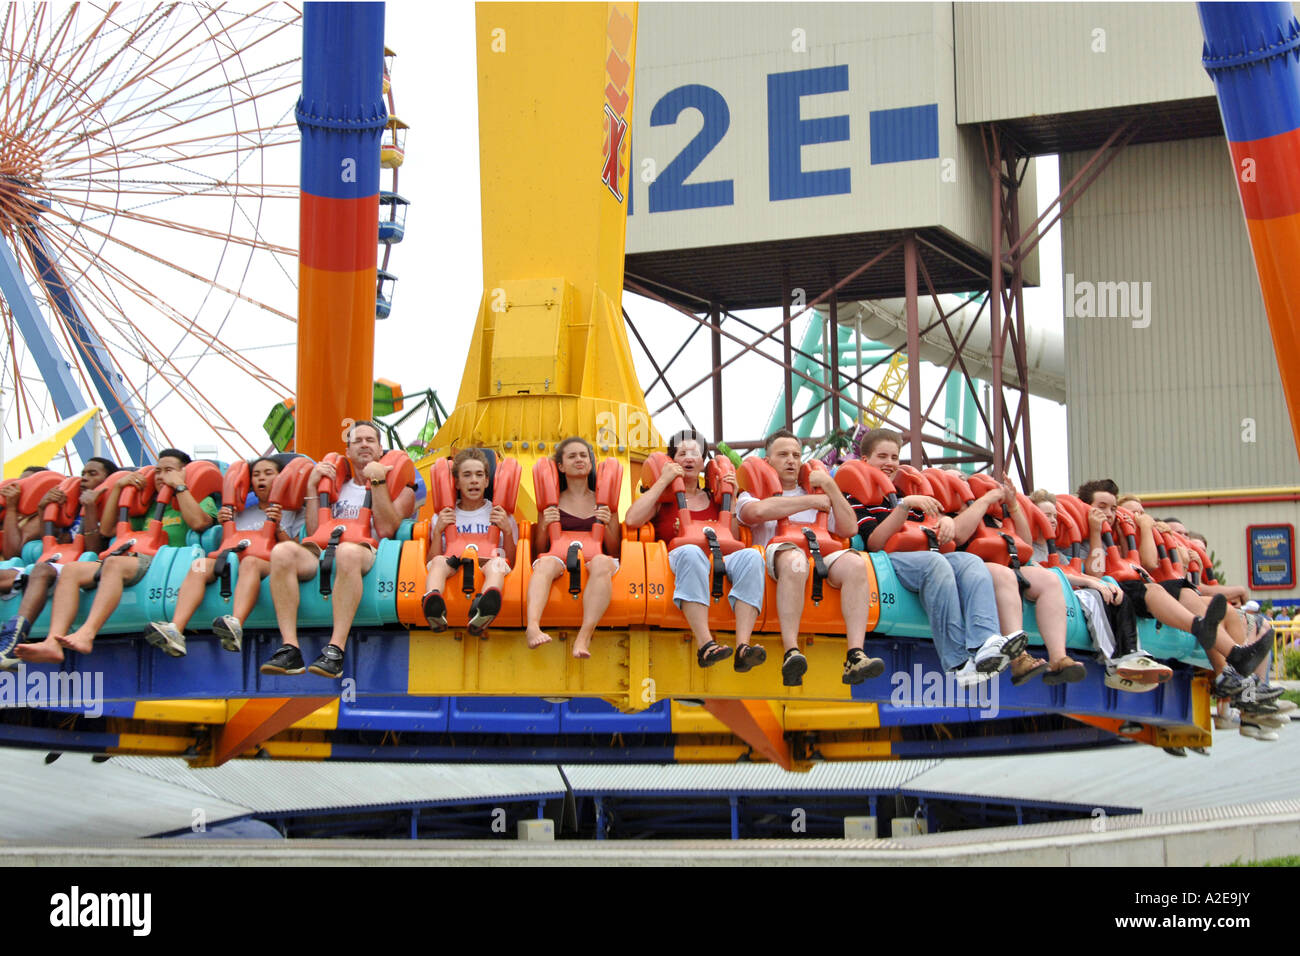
793,668
329,664
483,611
1244,659
1206,629
858,667
287,660
748,656
435,610
1227,684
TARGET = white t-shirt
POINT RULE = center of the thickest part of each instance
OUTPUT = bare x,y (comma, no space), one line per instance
349,502
253,517
479,521
766,531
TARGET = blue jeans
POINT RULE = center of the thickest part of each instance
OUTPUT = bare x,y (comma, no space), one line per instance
690,567
956,591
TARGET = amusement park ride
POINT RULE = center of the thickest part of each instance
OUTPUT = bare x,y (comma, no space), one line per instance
549,358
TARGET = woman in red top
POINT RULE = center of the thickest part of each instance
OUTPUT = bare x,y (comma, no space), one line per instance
577,511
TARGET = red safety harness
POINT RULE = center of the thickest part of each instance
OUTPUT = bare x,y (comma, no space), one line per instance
762,481
1000,545
502,490
288,489
331,531
203,480
711,535
570,546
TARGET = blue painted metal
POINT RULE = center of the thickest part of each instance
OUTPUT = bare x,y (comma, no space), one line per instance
341,112
1250,53
503,715
54,368
113,391
591,715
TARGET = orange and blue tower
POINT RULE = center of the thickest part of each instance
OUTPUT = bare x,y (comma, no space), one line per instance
341,115
1252,53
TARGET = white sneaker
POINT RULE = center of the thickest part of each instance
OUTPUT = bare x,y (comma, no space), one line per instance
1258,733
996,653
969,675
1229,721
1285,706
231,632
165,636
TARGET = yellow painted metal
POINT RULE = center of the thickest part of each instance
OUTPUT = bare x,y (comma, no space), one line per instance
298,749
801,715
694,719
549,355
327,718
701,752
856,750
151,744
40,448
183,711
632,668
891,386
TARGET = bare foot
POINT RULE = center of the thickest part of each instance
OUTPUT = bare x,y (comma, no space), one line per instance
79,641
43,652
536,637
581,645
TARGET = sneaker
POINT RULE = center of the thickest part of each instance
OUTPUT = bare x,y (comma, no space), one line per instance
969,675
1175,751
1142,668
1025,668
435,610
1129,727
329,664
1286,706
1271,721
1206,629
1229,721
995,654
1246,658
167,637
748,656
1115,682
793,667
287,660
1257,733
1227,683
858,667
11,632
1200,751
231,632
483,611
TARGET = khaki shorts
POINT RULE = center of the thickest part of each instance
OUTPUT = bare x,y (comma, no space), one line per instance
770,553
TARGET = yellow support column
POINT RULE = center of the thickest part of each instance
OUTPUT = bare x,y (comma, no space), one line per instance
549,356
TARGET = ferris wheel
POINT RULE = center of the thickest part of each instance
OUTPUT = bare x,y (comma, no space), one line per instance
148,221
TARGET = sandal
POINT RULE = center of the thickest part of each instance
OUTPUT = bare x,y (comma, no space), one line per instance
711,653
748,656
1025,668
1068,672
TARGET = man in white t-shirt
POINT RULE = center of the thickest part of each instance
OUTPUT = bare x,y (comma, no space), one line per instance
291,562
787,563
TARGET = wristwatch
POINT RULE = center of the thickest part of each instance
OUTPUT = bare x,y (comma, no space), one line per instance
376,482
181,488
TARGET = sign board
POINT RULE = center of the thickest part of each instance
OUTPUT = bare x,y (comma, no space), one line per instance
1271,550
